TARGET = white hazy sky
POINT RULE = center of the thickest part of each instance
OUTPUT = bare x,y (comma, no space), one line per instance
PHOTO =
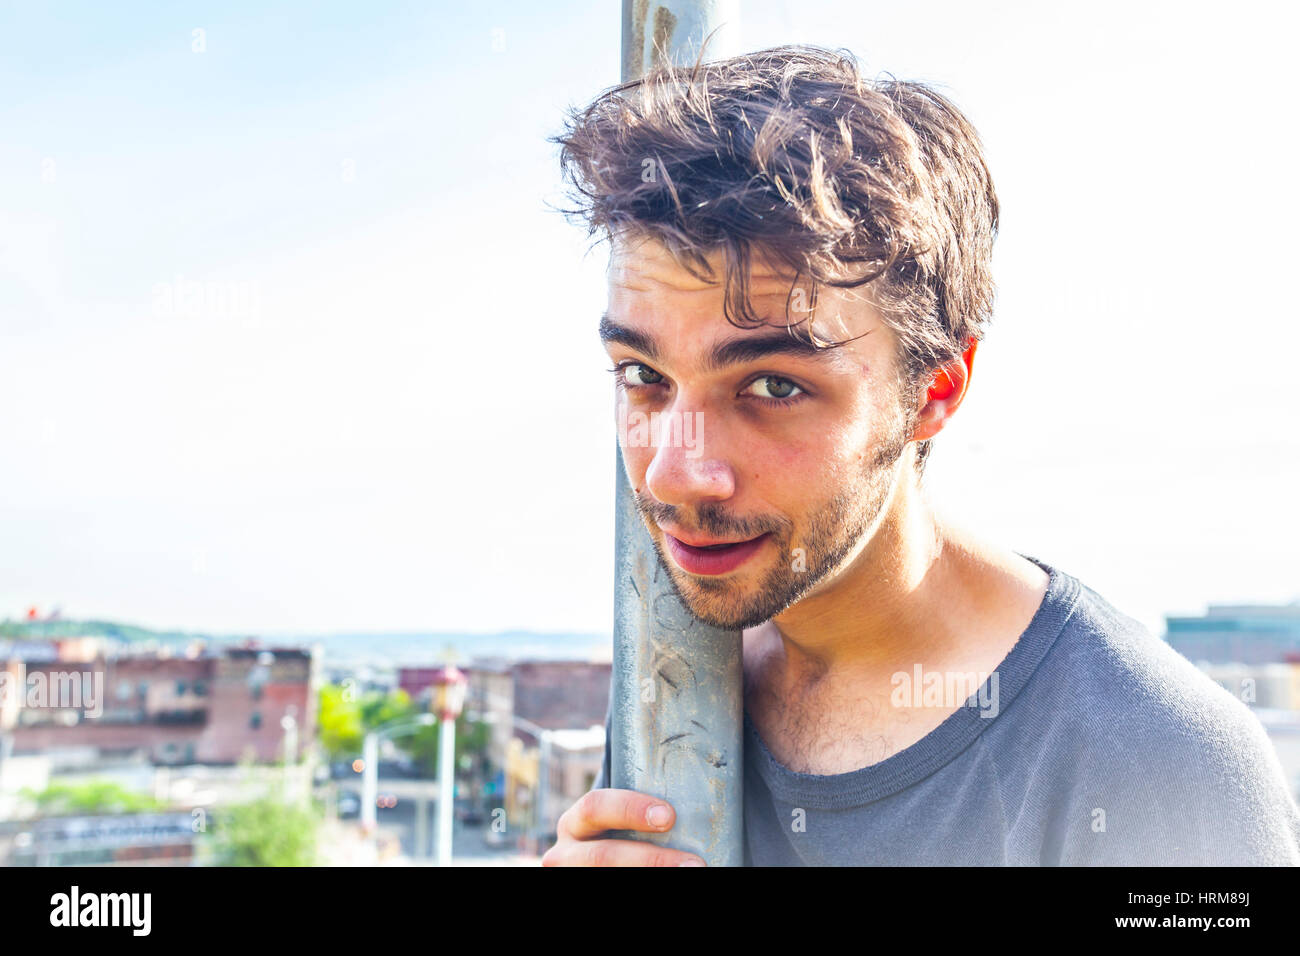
409,426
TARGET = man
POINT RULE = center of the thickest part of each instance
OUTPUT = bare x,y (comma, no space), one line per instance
799,278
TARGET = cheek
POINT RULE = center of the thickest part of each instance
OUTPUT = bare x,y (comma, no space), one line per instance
795,465
818,464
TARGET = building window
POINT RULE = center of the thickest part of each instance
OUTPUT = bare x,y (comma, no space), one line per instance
200,689
256,720
180,687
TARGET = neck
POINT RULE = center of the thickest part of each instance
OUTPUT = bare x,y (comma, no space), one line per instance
918,590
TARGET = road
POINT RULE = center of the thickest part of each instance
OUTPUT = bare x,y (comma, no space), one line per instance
469,844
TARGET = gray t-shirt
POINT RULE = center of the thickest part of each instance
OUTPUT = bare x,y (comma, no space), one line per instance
1102,746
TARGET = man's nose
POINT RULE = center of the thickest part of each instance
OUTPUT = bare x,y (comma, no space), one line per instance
685,471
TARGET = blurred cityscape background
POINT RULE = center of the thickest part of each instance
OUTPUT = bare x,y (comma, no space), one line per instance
124,746
300,377
119,745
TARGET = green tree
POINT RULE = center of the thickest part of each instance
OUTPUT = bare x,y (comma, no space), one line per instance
339,722
472,737
94,796
378,708
343,722
265,832
344,719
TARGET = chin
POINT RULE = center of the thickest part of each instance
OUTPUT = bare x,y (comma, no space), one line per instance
719,604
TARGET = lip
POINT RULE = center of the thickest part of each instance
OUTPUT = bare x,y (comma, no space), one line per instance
702,542
693,559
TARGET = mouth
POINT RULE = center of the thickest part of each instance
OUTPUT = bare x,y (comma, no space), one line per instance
712,558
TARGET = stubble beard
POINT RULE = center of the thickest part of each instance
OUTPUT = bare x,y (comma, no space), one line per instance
834,530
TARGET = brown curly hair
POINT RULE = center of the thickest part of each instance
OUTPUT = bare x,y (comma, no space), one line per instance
791,153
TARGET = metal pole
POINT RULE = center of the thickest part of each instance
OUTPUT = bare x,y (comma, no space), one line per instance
290,727
677,683
544,784
369,781
446,788
676,28
421,827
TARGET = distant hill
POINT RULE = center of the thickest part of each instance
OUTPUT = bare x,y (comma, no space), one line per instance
417,648
423,647
26,630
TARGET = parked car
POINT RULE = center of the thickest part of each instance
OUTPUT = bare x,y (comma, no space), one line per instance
469,814
342,770
349,804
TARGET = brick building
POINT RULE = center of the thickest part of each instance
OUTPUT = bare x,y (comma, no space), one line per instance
216,708
561,695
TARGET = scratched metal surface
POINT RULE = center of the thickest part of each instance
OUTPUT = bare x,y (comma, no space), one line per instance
677,27
677,691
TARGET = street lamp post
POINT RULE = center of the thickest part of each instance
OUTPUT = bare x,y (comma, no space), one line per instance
449,687
370,765
290,726
544,785
369,781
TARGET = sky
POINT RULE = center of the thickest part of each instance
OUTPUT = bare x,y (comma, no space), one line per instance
293,340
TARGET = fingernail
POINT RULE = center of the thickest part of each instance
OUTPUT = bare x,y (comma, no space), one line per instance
657,815
692,863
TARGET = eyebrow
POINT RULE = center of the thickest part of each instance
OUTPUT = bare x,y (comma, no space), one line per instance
735,351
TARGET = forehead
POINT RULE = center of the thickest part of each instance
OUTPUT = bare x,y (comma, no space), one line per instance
654,296
644,264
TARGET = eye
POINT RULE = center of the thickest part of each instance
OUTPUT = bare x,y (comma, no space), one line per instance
773,387
634,373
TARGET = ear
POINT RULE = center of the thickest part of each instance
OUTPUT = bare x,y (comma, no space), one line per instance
945,394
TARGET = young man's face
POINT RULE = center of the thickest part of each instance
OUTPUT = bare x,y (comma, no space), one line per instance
794,453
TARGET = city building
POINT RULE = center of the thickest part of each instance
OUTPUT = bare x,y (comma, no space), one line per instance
1238,633
524,701
214,706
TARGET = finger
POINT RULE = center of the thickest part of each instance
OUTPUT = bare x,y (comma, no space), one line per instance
609,809
616,853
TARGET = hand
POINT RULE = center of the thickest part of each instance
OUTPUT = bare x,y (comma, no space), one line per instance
579,831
